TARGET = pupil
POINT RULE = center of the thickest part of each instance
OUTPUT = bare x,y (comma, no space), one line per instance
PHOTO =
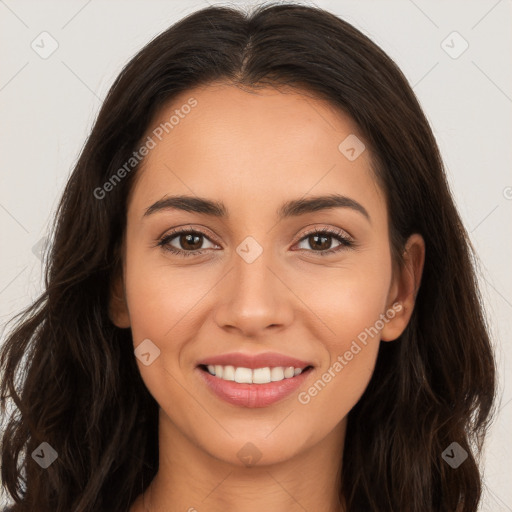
320,246
189,240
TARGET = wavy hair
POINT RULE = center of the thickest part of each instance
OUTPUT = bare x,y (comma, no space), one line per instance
71,374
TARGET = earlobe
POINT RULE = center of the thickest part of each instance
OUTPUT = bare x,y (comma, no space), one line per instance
404,289
118,309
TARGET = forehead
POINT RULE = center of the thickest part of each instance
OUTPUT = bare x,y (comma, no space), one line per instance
253,148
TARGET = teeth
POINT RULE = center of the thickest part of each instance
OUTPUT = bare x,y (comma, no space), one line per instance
257,376
289,372
260,375
228,373
277,373
242,375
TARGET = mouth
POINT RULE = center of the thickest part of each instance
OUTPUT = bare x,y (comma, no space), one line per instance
264,375
253,387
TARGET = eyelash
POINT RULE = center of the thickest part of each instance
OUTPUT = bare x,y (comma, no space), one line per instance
345,242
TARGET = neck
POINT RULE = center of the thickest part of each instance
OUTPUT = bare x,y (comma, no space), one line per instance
191,479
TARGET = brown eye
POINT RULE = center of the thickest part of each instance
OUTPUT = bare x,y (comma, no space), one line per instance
190,241
185,243
320,241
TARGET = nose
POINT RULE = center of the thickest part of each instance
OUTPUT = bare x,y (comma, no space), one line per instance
256,298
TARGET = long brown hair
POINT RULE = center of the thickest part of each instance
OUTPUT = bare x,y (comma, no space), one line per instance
71,373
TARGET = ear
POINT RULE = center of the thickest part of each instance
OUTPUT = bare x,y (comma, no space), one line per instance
404,288
118,308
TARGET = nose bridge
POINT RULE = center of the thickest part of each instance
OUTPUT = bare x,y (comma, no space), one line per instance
257,298
255,286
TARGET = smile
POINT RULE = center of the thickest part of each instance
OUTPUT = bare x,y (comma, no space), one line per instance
258,387
254,376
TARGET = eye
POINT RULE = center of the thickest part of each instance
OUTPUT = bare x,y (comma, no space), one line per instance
188,242
320,241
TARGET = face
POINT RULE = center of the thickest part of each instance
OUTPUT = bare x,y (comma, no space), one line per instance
312,281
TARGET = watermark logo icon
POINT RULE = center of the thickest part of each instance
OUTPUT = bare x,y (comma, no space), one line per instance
249,249
454,455
351,147
44,45
146,352
454,45
44,455
249,454
39,247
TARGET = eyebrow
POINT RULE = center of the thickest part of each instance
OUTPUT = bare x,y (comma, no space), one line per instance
292,208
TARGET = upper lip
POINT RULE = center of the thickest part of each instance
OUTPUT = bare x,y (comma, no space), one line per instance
266,359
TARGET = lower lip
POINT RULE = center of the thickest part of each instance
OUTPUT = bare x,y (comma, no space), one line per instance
252,395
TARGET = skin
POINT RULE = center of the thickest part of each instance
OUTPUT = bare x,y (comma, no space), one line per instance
253,151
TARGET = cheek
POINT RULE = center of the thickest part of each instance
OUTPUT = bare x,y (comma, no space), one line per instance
152,302
161,303
352,353
357,306
352,307
159,297
165,305
352,300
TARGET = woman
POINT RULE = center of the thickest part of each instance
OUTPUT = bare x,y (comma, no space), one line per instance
260,295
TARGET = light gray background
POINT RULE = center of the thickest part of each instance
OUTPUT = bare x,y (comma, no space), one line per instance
47,107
